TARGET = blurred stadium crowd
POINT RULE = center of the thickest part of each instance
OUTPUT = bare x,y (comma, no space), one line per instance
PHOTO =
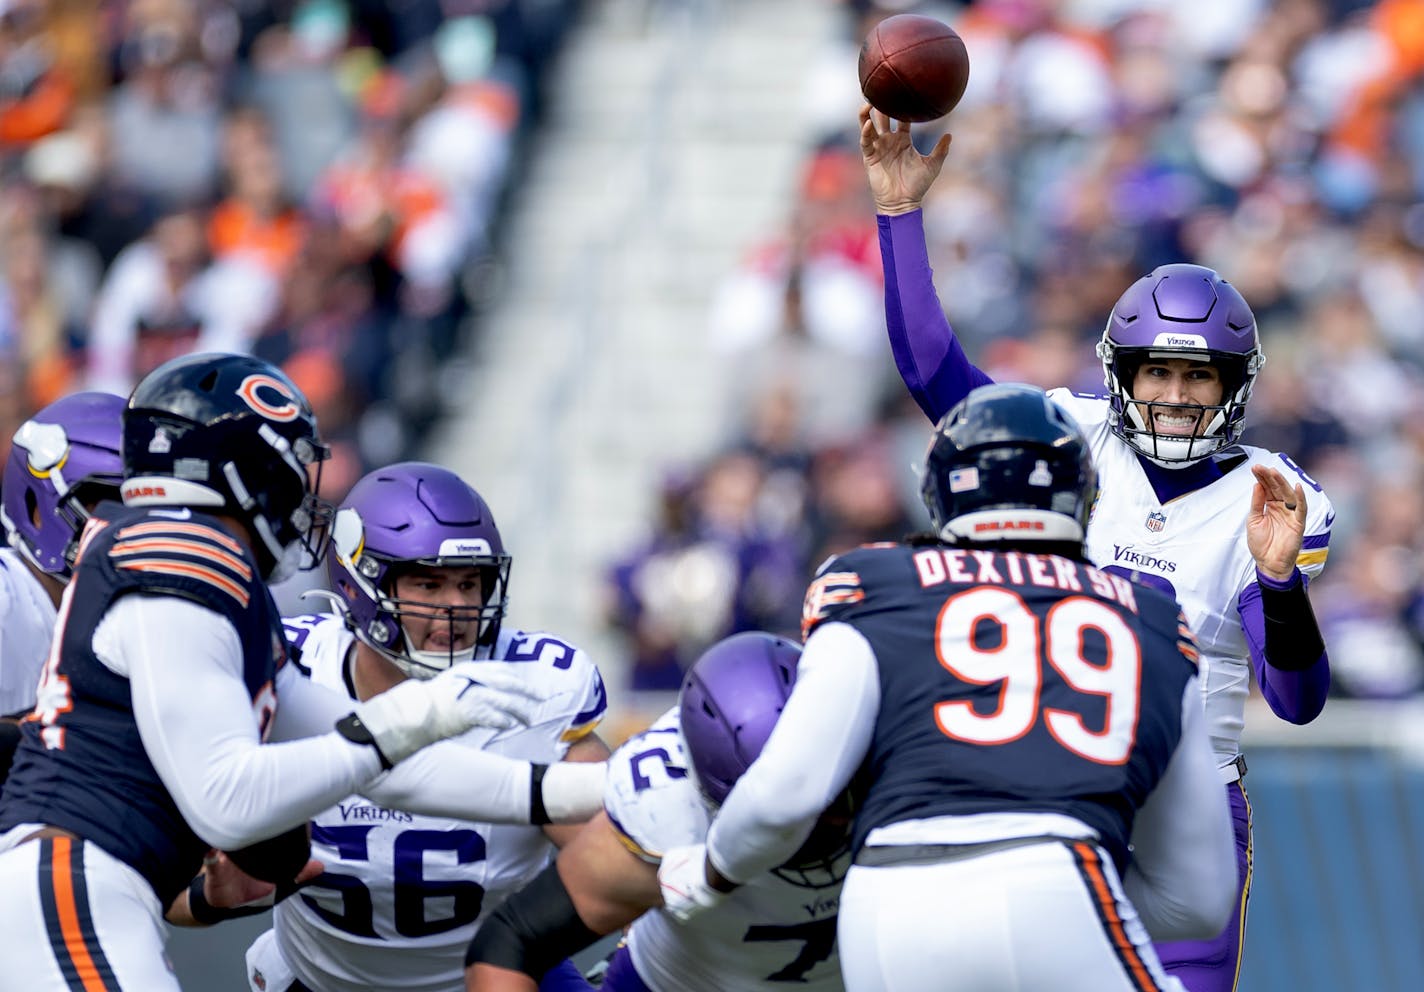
1278,141
320,182
314,181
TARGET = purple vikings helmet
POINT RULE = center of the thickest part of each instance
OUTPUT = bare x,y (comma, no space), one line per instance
64,460
1181,311
231,433
415,514
731,698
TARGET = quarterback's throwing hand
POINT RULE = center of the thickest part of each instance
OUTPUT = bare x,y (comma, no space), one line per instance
682,876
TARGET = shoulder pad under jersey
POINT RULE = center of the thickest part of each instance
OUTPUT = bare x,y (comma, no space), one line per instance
562,674
651,801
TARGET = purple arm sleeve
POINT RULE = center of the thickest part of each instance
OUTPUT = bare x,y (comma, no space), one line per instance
927,353
1295,696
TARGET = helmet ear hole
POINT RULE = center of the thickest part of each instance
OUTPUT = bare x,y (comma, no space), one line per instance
32,507
1127,369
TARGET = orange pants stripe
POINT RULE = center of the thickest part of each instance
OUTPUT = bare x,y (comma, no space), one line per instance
1091,866
65,900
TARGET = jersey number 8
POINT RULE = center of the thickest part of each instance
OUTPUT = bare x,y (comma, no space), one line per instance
1017,663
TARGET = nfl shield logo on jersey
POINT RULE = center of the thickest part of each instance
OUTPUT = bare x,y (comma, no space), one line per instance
1156,521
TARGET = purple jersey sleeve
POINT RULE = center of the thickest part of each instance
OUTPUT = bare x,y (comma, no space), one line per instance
1296,696
927,354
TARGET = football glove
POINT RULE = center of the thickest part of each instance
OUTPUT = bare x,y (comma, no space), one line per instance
417,712
682,877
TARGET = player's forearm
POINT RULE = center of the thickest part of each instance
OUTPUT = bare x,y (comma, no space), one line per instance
457,782
818,743
240,793
528,935
195,717
1183,871
489,978
927,353
1287,650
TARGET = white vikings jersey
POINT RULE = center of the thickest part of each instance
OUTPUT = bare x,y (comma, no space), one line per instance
403,894
765,934
27,619
1195,548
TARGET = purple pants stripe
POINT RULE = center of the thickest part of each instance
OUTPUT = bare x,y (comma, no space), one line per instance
1215,965
622,976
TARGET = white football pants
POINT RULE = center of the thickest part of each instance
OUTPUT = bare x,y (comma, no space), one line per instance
1048,917
75,919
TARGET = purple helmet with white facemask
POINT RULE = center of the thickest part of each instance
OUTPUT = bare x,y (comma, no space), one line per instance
730,701
1190,312
63,460
411,516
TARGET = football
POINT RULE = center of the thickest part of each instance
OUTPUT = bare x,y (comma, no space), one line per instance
913,68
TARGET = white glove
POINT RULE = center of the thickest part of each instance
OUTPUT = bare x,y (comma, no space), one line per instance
682,877
407,717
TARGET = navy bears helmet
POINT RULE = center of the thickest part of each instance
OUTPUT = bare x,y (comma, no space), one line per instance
1006,463
234,434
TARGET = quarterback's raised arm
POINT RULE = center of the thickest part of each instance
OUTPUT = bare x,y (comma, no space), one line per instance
927,354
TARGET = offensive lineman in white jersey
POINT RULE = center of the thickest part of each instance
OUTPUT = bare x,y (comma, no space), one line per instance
63,461
663,787
1235,533
420,572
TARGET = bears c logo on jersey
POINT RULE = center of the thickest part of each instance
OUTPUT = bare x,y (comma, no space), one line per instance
281,412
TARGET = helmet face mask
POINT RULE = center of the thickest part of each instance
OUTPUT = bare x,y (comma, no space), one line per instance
1008,464
410,522
62,462
233,434
1180,312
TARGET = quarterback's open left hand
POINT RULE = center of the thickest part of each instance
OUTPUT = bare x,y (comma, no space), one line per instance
1276,527
682,876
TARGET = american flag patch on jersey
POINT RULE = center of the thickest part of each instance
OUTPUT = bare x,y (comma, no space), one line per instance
187,550
825,591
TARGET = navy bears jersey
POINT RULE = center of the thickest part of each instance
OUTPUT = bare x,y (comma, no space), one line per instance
1010,682
82,765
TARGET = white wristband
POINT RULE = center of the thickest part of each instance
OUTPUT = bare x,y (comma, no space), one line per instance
573,790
